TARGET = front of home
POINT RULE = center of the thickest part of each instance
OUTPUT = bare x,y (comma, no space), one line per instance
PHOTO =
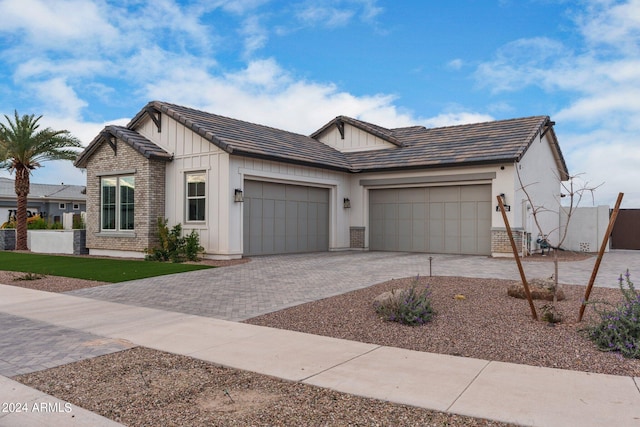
249,189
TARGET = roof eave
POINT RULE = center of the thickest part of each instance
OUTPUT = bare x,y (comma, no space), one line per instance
546,127
298,162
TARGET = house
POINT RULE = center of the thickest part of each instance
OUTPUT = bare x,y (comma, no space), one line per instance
249,189
51,201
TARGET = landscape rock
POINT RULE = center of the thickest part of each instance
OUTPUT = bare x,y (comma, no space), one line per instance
541,289
390,297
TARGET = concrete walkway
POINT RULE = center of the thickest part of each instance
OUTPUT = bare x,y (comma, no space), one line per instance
507,392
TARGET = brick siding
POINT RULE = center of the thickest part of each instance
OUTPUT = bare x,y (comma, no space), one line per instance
500,243
149,197
356,237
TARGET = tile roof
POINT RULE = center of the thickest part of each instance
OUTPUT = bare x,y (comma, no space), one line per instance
48,191
250,139
415,146
489,142
138,142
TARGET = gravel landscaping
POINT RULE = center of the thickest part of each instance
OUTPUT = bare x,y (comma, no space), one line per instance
147,387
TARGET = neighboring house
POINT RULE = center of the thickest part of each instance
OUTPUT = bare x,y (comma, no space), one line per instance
249,189
48,200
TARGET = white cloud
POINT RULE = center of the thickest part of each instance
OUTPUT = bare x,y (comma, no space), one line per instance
457,118
330,17
59,98
337,13
255,35
455,64
616,24
606,158
51,24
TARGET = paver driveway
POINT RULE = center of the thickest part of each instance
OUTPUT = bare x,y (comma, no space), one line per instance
272,283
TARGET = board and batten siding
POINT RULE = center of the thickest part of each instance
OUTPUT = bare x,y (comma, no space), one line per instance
354,139
193,153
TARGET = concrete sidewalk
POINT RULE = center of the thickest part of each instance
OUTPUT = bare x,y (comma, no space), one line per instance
500,391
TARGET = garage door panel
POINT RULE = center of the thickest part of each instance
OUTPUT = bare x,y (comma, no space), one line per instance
279,218
444,194
454,219
273,191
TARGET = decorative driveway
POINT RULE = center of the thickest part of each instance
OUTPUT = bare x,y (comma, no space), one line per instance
271,283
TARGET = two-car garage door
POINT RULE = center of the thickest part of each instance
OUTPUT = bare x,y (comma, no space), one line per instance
452,219
283,218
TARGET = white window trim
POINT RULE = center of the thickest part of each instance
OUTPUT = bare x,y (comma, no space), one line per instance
187,198
117,230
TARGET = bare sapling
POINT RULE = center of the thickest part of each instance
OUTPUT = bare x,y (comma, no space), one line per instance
556,236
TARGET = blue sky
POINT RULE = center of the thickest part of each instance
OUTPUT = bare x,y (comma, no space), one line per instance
297,64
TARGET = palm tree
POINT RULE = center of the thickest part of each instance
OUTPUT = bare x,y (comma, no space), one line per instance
23,147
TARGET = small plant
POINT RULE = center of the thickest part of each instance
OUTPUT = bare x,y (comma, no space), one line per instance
172,246
619,328
30,276
78,223
192,246
407,306
550,314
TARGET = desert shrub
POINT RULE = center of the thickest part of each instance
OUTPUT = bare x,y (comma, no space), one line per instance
619,326
410,306
172,246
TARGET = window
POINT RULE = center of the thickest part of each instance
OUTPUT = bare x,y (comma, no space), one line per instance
76,207
117,203
196,199
62,206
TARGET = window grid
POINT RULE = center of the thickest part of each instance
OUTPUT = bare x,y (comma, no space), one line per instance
196,196
118,203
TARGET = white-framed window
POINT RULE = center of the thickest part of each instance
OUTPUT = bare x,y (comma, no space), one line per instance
117,203
62,206
195,196
76,206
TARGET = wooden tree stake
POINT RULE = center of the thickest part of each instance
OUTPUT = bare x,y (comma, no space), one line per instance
596,267
517,257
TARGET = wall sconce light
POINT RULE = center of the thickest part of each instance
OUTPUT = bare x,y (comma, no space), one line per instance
238,196
346,203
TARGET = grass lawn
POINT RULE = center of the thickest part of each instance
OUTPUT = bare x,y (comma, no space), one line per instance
103,270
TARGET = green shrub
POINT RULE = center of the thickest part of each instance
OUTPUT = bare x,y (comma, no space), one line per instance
192,246
172,246
37,224
78,223
619,327
407,306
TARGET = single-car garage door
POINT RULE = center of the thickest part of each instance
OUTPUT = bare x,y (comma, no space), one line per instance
283,218
452,219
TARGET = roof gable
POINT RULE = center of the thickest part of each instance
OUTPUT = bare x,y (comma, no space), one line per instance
249,139
375,130
138,142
